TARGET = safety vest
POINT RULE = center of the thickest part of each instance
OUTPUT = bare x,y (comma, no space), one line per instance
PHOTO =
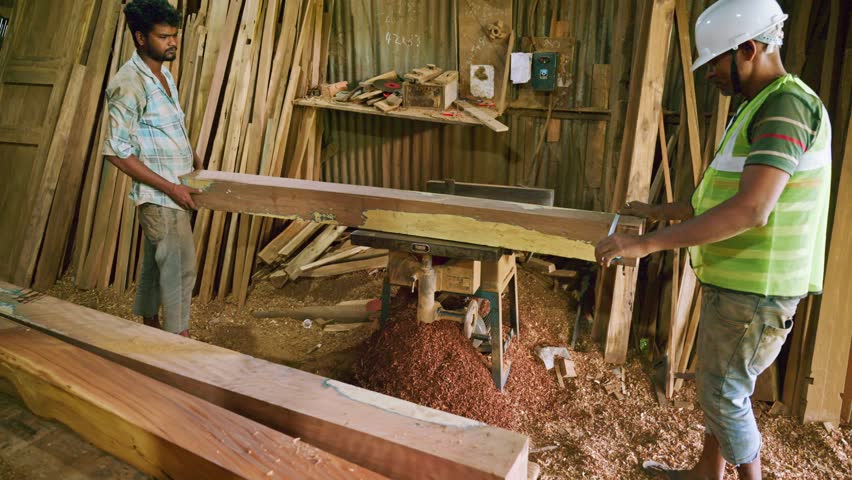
785,257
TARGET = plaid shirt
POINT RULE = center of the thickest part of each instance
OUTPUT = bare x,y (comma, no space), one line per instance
145,121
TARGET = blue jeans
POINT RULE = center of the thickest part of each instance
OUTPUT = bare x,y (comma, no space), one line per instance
168,266
739,336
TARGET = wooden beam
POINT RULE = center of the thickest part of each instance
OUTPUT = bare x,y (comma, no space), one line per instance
56,236
157,428
384,434
534,228
833,330
682,15
637,157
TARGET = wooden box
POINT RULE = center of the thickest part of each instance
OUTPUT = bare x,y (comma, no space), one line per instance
459,276
439,92
496,275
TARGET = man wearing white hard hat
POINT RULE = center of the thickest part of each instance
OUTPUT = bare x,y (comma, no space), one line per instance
755,226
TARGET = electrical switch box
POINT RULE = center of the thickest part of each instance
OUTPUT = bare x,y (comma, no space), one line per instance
544,71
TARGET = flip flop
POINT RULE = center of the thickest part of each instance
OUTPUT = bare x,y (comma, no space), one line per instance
660,470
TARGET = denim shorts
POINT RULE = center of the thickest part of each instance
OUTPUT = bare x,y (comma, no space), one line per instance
739,336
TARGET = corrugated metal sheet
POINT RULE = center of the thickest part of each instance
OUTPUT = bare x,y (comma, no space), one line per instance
374,36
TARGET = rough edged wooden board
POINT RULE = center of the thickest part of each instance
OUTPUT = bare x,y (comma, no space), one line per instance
533,228
636,163
392,437
33,232
475,47
157,428
483,116
347,267
834,330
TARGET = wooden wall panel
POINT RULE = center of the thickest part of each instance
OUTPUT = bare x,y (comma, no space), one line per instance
36,68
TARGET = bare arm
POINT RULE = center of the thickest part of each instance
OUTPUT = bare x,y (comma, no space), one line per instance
661,213
138,171
760,188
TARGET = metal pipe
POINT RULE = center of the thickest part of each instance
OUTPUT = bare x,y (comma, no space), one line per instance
427,284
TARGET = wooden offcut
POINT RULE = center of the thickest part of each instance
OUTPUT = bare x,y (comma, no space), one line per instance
483,116
547,230
384,434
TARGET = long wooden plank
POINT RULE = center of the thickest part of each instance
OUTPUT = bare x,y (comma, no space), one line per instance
682,16
155,427
347,267
547,230
333,258
269,253
642,118
596,140
56,235
680,328
218,77
833,329
384,434
33,234
91,187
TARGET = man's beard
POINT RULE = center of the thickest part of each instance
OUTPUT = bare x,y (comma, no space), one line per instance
166,56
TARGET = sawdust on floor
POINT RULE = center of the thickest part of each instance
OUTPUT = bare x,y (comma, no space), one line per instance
577,432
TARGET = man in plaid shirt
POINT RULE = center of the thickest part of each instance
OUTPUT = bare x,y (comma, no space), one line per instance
146,139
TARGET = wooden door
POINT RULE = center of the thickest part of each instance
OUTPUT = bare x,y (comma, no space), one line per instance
44,39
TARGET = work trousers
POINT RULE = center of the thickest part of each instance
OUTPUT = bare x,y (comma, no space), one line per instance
168,266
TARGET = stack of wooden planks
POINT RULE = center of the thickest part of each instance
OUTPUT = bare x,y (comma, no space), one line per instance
240,65
309,249
222,411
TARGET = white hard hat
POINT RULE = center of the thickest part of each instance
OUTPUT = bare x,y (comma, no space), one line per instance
728,23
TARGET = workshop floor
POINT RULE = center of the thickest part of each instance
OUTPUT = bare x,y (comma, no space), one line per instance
577,432
32,447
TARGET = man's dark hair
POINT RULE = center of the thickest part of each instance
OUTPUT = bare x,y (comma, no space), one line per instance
142,15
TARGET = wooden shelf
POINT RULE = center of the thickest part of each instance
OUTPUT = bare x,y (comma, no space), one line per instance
411,113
